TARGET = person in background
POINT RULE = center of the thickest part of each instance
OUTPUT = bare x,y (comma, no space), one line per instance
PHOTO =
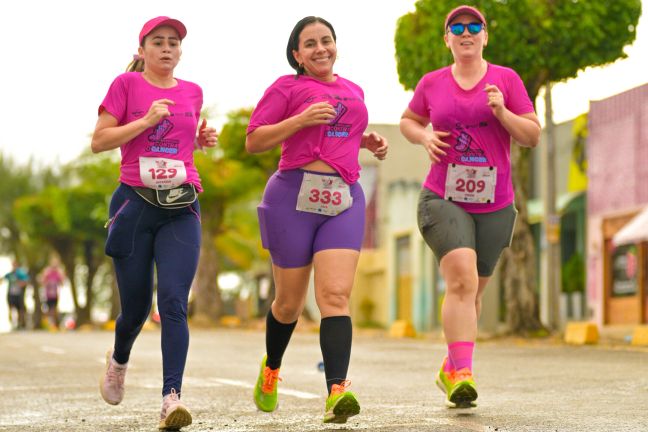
152,117
17,280
52,278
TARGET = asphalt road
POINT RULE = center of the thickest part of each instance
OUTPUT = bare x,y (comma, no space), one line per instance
49,382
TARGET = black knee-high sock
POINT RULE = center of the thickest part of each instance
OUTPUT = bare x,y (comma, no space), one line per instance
335,341
277,338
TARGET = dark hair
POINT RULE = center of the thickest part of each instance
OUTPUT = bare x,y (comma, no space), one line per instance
293,40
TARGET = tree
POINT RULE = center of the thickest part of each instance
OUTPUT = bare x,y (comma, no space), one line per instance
19,180
232,180
68,215
545,41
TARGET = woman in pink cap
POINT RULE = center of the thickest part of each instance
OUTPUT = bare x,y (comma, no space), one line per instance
152,117
466,211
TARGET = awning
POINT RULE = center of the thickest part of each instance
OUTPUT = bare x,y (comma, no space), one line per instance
635,231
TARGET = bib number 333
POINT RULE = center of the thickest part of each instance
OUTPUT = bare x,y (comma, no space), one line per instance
323,194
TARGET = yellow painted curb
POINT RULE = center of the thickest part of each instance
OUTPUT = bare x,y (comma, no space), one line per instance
401,329
230,321
109,325
581,333
640,335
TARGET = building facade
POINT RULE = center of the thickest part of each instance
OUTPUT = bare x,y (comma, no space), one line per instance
617,193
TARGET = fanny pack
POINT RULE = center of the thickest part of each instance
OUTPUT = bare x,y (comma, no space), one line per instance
175,198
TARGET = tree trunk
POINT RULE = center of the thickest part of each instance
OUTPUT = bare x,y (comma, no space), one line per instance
37,317
84,314
66,251
207,304
518,262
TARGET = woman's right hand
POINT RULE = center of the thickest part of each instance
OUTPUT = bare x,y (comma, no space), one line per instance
317,114
159,109
433,144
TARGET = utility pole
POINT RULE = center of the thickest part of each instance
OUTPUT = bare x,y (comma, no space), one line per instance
552,220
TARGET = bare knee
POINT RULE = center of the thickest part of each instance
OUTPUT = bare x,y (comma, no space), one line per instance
286,311
333,299
463,287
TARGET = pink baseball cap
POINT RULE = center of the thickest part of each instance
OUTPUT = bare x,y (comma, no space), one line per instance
464,9
162,21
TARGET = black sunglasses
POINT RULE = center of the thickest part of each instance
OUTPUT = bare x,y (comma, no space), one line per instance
473,28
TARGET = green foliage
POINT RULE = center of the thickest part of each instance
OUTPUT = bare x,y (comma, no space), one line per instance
540,39
233,181
573,274
16,181
579,147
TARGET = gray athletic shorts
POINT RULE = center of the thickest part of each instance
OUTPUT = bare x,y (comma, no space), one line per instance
446,226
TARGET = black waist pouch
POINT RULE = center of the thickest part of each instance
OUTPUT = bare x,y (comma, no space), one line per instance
175,198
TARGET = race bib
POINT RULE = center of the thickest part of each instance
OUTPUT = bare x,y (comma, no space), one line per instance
471,184
162,173
323,194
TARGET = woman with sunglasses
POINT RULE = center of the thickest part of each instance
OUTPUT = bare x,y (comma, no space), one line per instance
466,212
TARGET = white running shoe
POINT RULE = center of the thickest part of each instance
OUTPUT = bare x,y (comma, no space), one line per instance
174,414
111,384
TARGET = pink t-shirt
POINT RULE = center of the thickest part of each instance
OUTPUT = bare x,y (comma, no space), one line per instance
336,143
52,279
129,98
477,138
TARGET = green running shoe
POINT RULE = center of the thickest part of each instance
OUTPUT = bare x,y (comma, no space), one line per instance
341,404
442,379
462,391
265,390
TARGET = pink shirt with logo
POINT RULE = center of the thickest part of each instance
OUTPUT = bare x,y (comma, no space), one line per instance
129,98
336,143
476,137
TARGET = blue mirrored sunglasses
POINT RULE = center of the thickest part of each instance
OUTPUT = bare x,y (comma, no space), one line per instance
473,28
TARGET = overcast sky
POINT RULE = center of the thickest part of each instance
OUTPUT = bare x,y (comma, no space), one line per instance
61,56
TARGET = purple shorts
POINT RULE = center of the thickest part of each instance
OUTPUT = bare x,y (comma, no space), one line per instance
293,236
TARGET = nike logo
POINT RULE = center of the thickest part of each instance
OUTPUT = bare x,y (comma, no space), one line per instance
174,196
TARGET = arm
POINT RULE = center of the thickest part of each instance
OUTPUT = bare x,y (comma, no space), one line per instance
267,137
414,129
109,135
525,128
207,137
376,144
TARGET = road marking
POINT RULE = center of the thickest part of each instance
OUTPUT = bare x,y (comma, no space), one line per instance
202,382
52,350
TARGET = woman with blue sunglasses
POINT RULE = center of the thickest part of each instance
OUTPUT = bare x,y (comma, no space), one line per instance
466,210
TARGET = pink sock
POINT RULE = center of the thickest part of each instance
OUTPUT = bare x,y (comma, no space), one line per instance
461,354
449,366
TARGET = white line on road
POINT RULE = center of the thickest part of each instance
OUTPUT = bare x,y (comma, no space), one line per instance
52,350
202,382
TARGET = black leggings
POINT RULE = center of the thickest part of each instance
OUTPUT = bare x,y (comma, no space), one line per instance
139,236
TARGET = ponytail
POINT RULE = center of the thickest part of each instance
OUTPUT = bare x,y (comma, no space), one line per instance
136,65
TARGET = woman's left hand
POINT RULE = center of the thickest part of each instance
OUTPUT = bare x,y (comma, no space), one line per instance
376,144
207,136
495,99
